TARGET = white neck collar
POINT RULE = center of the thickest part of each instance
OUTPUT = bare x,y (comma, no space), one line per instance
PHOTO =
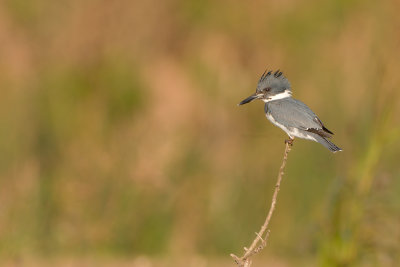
284,94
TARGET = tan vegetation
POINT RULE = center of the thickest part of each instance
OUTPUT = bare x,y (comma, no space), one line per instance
121,139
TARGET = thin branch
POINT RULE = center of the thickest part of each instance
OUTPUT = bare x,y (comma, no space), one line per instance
259,242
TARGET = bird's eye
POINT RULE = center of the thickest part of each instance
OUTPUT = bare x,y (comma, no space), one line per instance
267,89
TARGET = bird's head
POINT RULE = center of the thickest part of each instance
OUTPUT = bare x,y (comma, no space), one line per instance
271,86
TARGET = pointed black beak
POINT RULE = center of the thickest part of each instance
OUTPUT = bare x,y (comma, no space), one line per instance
248,100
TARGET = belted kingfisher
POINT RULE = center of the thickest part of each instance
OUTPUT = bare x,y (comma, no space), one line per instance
291,115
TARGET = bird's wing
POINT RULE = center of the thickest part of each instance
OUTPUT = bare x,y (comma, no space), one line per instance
294,113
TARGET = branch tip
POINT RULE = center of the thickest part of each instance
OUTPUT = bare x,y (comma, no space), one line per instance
255,247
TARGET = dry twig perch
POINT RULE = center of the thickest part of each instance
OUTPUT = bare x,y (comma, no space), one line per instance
255,247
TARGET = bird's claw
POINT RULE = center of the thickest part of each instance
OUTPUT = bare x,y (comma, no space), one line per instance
289,141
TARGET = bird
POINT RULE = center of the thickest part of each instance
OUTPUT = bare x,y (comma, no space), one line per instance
291,115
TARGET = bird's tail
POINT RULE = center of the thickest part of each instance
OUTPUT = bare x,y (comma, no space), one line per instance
328,144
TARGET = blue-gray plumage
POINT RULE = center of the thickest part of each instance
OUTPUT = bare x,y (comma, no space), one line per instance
291,115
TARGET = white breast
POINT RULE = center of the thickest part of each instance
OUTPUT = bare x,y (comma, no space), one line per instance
292,132
283,127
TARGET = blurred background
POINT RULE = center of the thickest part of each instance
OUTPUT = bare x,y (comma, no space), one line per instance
121,143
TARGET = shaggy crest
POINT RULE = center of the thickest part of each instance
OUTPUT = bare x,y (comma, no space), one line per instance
273,79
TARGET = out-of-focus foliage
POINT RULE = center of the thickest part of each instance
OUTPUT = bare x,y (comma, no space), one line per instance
120,137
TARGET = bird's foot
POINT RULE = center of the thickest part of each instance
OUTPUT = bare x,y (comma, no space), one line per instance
289,141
